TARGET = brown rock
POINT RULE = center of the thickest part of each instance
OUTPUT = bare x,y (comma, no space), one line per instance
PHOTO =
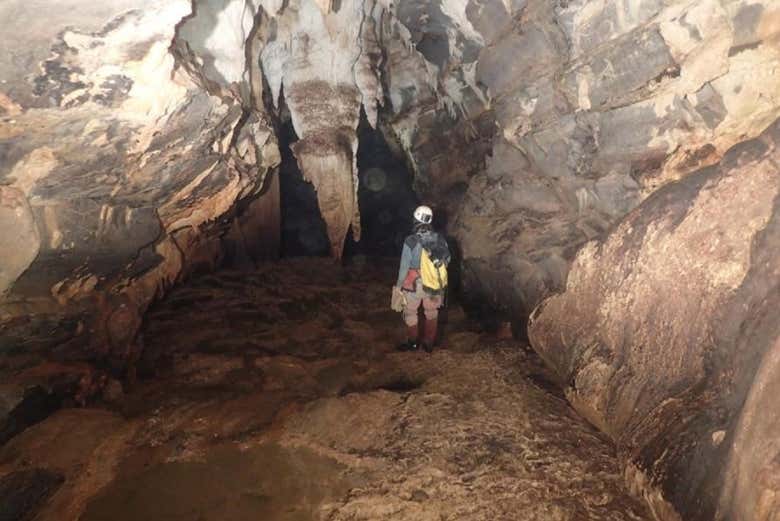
664,324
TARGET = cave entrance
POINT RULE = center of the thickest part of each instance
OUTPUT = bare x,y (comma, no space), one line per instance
385,197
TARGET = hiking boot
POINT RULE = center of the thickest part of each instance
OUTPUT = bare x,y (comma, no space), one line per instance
408,346
411,343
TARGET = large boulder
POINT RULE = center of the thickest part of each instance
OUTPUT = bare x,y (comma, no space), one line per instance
667,338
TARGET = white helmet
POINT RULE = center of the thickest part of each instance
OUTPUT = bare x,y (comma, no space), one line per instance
423,214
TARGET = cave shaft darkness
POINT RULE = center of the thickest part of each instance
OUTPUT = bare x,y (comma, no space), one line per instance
202,206
385,197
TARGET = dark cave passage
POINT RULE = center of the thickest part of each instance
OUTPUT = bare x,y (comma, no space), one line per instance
303,231
385,197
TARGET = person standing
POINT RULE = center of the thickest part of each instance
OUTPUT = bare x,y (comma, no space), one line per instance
422,280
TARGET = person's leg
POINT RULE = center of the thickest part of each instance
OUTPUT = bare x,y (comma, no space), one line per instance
413,301
431,305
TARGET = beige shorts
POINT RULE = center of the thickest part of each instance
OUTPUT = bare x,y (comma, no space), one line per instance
430,304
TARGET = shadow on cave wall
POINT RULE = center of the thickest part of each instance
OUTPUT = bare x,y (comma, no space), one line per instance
303,233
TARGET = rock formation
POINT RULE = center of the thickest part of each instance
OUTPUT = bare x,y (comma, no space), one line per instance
116,168
133,134
667,331
597,105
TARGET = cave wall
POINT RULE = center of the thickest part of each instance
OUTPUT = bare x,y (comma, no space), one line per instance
118,168
666,338
534,126
597,105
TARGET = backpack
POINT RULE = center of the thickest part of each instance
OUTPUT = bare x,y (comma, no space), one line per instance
433,265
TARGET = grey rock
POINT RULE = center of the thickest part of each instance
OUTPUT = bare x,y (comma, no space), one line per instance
19,239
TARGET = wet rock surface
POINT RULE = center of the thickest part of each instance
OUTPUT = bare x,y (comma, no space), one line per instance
283,397
667,330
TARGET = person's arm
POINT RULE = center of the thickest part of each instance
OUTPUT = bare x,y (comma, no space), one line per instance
406,261
444,250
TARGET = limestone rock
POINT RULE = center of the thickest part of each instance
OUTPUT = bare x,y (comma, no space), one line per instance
666,331
19,240
137,138
598,105
365,59
110,147
586,108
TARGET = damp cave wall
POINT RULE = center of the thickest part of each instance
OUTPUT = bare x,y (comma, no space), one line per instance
139,141
666,337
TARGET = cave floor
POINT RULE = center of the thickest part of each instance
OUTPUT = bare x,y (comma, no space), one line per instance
278,395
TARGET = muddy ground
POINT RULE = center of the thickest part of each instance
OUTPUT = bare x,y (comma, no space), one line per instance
277,394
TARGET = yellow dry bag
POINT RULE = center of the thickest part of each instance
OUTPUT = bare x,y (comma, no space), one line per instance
434,278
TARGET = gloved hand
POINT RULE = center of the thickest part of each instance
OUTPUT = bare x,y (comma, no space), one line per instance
398,300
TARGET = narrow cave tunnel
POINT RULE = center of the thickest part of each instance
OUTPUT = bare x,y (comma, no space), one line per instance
191,329
386,200
386,197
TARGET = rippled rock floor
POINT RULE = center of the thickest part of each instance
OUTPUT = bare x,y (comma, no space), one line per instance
277,394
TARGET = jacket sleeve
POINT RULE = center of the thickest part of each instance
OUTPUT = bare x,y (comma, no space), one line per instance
406,260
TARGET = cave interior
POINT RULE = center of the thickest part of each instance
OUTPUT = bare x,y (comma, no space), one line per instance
203,206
